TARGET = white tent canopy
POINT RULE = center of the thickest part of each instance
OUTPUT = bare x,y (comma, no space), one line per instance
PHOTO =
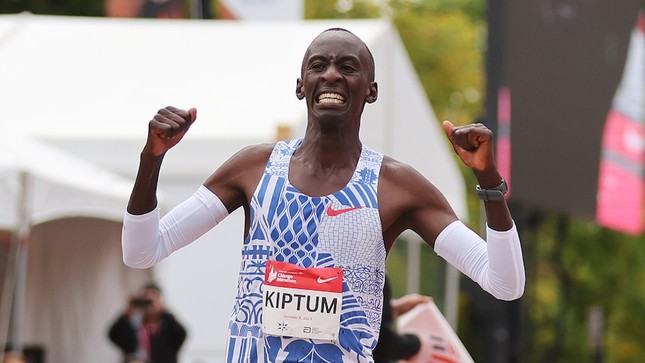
90,85
42,187
101,79
59,185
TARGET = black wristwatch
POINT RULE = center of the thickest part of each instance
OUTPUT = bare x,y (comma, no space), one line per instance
496,193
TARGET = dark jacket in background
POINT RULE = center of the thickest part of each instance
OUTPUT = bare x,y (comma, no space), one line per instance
164,346
391,345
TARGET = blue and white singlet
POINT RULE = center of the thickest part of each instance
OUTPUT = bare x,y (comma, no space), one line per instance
343,230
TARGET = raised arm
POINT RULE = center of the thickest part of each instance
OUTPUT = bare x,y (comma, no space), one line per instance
495,264
409,201
145,239
474,145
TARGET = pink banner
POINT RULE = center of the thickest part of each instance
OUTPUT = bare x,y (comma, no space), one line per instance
503,152
620,186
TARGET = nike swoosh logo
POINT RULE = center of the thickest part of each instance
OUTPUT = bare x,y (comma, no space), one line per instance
336,212
322,281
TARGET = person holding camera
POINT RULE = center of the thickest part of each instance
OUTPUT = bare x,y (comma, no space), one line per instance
146,332
392,345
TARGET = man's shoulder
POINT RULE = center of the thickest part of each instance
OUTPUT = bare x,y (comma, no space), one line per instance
255,152
265,147
246,159
401,174
395,168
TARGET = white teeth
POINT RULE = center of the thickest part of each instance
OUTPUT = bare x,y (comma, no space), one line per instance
331,98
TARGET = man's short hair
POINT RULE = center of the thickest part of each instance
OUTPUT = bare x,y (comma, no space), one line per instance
152,286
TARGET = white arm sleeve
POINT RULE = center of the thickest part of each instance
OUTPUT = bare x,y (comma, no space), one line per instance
495,264
146,240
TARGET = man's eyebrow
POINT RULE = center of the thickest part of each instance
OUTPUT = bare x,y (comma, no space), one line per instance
342,58
314,57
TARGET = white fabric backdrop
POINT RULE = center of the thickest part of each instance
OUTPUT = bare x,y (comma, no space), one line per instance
76,284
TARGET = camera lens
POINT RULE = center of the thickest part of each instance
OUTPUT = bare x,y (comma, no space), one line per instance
141,302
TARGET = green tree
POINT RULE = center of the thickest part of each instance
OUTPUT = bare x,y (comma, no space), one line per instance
445,48
348,9
580,266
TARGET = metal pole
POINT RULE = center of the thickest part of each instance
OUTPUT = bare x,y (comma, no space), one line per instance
596,326
196,9
414,265
9,284
452,296
24,228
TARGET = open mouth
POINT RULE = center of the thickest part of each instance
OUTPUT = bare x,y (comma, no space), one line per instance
331,98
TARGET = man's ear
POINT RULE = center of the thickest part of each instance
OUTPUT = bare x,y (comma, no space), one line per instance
300,89
372,93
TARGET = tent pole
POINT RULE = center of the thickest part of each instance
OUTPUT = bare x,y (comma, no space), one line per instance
451,289
414,265
24,228
19,297
6,300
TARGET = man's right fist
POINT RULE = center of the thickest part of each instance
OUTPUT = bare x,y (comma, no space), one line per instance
167,128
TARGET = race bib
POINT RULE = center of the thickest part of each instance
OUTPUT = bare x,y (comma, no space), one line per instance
302,302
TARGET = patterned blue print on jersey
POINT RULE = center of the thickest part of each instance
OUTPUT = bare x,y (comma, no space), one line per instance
338,230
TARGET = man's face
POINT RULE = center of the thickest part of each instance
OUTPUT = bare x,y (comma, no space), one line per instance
337,76
155,306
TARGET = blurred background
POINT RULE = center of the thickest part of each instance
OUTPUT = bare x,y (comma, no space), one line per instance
561,83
